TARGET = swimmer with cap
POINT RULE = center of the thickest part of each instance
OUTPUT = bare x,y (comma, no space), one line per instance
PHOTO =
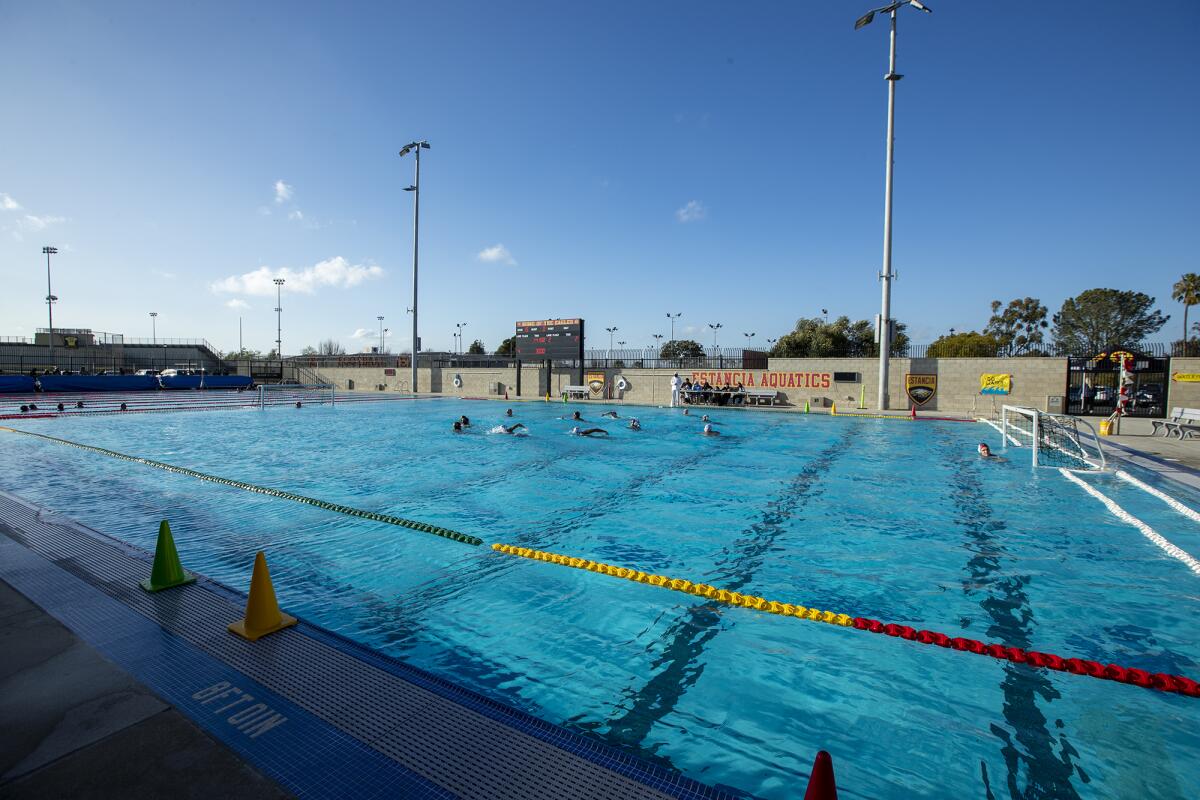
634,425
708,430
588,431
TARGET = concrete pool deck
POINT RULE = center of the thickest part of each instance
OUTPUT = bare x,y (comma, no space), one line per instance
76,725
318,714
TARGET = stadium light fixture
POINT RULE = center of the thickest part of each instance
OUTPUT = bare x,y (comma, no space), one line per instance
884,325
416,148
279,317
153,328
748,336
611,331
716,326
673,317
50,298
460,326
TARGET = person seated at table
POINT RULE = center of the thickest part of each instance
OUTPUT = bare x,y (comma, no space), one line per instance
739,398
706,390
686,391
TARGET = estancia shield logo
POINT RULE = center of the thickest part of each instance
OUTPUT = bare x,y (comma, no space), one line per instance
595,383
920,388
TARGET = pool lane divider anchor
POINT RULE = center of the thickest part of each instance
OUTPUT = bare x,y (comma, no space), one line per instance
167,571
262,609
1159,681
250,487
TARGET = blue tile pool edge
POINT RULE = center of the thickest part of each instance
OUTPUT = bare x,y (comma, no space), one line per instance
600,753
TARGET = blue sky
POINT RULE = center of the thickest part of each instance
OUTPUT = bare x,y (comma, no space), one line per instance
617,161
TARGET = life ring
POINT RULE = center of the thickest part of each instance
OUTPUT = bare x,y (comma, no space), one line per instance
622,384
457,381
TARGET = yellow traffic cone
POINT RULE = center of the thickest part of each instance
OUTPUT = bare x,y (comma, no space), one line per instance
833,410
167,571
262,609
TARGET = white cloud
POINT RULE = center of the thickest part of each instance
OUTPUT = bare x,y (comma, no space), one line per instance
283,192
166,276
8,204
497,254
363,333
334,272
238,304
295,214
31,222
691,212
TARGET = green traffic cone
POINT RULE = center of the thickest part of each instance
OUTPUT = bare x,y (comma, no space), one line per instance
167,570
805,406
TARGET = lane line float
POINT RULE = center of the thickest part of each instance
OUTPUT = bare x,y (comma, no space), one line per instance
1159,681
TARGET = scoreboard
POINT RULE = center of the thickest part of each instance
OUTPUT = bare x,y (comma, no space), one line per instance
550,339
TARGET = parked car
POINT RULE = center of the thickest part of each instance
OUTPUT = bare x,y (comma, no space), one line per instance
146,372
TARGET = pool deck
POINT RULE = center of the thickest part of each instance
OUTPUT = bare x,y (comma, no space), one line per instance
1169,458
77,725
316,714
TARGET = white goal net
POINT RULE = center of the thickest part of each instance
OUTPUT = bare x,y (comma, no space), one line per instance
277,394
1055,440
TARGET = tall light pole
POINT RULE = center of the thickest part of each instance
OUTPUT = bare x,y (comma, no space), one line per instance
771,342
416,190
825,313
716,326
153,328
50,298
611,331
279,318
460,326
673,317
384,345
380,318
658,337
748,336
884,327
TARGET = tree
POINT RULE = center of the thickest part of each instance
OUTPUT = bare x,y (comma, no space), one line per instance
476,348
331,347
508,347
1187,291
681,348
243,354
1099,320
308,350
816,338
1018,327
969,344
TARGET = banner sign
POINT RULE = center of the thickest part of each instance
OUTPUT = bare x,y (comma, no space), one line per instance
595,383
1185,377
995,384
920,388
71,341
770,380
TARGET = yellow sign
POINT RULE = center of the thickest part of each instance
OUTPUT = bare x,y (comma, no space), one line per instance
71,341
595,382
920,388
995,384
1185,377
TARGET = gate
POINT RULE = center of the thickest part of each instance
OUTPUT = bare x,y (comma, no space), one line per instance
1093,385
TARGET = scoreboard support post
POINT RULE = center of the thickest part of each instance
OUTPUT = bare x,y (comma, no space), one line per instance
518,377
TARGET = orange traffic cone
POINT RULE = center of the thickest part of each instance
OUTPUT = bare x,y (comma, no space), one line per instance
262,609
821,785
506,393
914,412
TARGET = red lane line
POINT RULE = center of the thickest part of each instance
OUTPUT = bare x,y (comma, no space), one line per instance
1160,681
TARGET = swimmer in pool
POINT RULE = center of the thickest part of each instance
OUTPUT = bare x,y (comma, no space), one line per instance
708,431
705,418
508,413
686,413
588,431
986,452
575,417
458,428
465,421
634,425
610,414
510,429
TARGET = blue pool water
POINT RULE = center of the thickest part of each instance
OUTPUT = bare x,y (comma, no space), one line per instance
892,520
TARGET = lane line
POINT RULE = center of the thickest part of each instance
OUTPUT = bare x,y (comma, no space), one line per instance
1125,516
1190,513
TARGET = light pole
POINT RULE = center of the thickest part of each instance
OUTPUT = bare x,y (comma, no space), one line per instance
748,336
611,331
673,317
460,326
771,342
153,329
385,333
416,190
454,338
380,318
716,326
884,326
825,313
50,298
279,318
658,337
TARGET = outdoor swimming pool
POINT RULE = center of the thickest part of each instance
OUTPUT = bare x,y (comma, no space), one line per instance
892,520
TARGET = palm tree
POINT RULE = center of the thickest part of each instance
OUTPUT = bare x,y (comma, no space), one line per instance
1186,291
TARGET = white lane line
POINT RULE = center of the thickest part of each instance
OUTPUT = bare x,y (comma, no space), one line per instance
1190,513
1125,516
1000,431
